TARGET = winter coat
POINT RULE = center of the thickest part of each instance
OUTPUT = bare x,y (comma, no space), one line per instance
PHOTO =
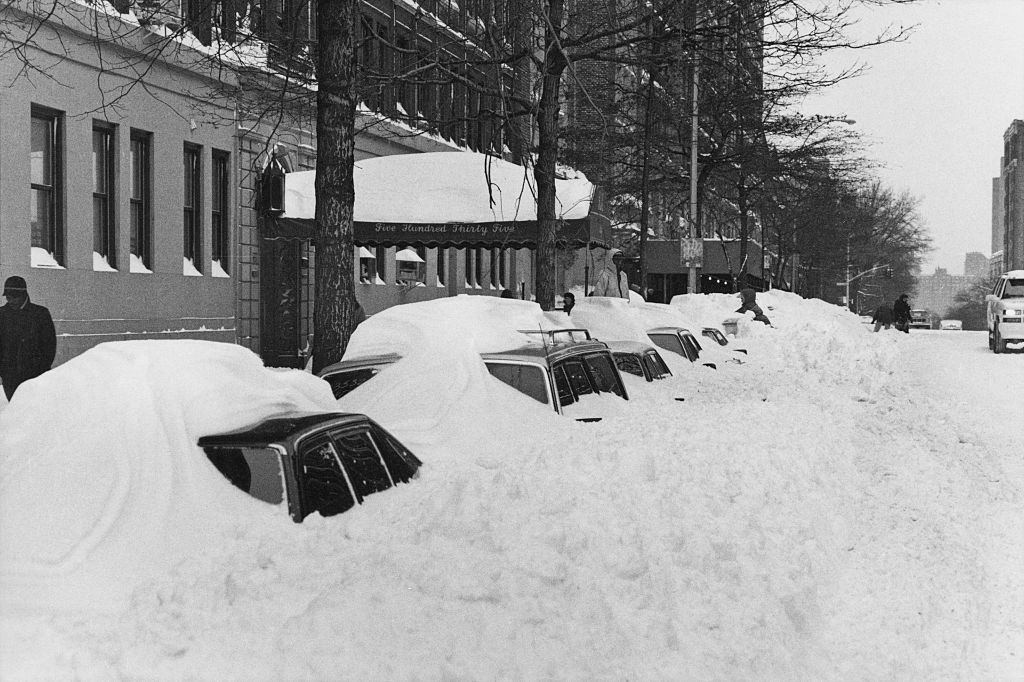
749,298
883,315
901,310
28,343
612,281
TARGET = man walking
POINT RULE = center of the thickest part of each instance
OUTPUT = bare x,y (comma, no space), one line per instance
28,341
882,317
613,280
901,313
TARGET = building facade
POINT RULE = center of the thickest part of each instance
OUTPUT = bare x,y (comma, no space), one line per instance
1012,189
131,203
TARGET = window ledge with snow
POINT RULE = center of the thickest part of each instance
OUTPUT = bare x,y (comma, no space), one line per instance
216,270
41,258
101,264
188,268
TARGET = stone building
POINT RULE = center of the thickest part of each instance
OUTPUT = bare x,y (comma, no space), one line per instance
1009,215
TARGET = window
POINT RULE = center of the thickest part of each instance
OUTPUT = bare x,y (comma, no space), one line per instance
192,209
606,378
669,342
343,383
527,379
104,243
140,202
503,269
627,362
1014,288
323,486
365,468
656,366
46,177
478,267
257,471
220,212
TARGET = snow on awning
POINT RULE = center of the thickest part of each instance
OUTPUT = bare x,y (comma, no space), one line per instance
409,255
448,199
365,253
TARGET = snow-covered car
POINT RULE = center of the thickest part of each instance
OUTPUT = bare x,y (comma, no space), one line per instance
639,359
317,462
551,369
720,338
951,325
677,340
1004,311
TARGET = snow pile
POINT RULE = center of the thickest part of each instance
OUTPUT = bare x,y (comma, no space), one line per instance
769,526
101,483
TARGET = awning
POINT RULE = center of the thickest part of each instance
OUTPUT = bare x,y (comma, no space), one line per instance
449,199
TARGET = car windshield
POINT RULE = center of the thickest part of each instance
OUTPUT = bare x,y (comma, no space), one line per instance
257,471
669,342
1014,288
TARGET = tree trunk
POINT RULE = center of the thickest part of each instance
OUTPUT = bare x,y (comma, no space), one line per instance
547,155
334,316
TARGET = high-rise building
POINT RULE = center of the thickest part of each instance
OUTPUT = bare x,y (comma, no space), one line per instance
1011,178
975,265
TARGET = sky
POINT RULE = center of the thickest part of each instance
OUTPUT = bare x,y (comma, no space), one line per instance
932,111
779,522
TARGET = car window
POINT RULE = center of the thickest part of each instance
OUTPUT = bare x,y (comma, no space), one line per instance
578,377
323,485
528,379
400,461
691,349
998,287
656,365
669,342
606,379
696,342
1014,288
627,362
566,396
348,380
362,461
257,471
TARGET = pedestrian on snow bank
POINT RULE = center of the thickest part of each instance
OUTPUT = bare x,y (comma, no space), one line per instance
882,317
568,302
901,313
613,280
28,342
749,302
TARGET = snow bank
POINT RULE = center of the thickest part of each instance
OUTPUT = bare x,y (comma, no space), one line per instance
101,483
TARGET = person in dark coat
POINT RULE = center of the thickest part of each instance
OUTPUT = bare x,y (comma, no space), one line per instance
901,313
568,301
28,341
748,297
882,317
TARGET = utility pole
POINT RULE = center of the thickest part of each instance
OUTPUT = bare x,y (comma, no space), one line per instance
691,279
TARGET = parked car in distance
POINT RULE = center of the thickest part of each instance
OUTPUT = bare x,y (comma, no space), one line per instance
639,359
319,462
677,340
920,319
1004,311
720,338
551,370
951,325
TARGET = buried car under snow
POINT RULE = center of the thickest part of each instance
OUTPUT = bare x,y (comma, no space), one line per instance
319,462
552,367
639,359
678,340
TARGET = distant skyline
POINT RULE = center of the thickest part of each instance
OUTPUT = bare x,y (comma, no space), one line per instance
932,111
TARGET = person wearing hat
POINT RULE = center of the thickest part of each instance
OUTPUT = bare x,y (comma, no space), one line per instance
28,341
613,280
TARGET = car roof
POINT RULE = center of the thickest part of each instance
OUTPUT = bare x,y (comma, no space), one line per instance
360,362
668,330
278,428
629,347
1013,274
533,352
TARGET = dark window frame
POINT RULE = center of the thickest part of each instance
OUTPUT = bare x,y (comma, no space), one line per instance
220,208
51,235
141,205
192,205
105,228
